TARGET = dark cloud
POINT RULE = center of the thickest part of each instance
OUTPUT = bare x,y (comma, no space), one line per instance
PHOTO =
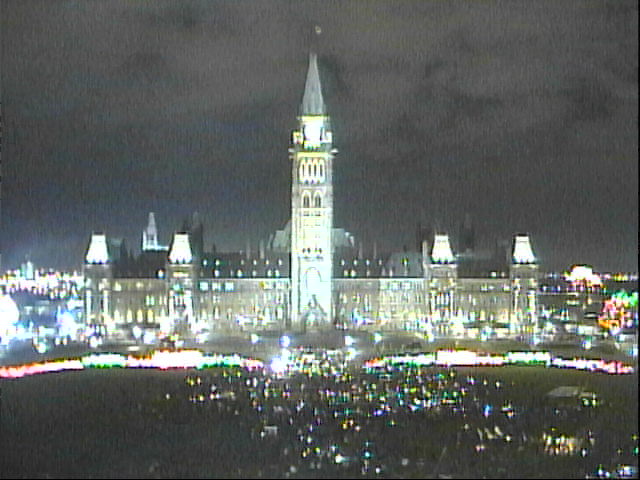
523,114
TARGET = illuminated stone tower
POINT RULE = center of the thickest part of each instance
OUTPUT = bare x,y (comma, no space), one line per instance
441,274
97,271
181,276
523,274
311,210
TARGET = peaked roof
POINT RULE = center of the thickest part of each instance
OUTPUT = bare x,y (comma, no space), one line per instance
441,252
522,251
180,249
312,101
152,222
97,253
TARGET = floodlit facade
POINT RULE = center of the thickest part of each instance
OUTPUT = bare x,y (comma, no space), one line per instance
310,275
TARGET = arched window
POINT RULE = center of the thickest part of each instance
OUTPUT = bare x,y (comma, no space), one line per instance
305,200
321,167
317,201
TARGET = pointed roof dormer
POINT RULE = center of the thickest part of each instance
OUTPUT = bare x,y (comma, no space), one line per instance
97,253
441,252
312,101
180,251
522,251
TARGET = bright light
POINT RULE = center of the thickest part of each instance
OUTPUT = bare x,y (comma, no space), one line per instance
94,341
9,316
162,360
618,312
312,130
181,359
9,313
104,360
148,337
455,357
202,336
349,340
340,458
285,341
137,332
583,274
254,338
377,338
278,366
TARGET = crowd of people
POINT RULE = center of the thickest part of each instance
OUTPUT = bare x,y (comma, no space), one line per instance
330,418
406,422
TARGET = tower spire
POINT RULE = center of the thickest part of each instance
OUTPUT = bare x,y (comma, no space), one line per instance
150,235
312,101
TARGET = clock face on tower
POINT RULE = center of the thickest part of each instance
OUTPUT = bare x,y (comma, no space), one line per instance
312,132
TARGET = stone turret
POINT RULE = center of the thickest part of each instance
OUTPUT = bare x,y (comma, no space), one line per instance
523,274
182,301
98,272
441,275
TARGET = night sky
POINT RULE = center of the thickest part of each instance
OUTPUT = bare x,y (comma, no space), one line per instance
523,115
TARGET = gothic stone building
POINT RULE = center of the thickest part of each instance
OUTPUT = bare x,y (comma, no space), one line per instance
308,276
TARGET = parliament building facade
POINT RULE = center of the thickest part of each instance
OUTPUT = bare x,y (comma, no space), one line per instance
310,275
